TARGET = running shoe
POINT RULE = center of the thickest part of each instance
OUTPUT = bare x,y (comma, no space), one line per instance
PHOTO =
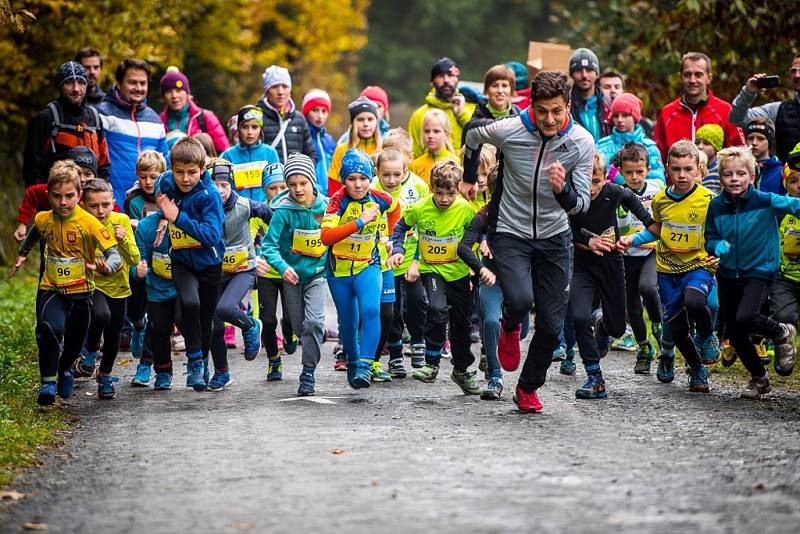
644,356
47,394
196,375
417,355
163,381
105,387
527,402
397,369
142,376
360,375
493,389
666,367
219,381
560,353
708,348
84,365
290,344
626,343
567,367
378,374
252,340
698,379
275,369
306,387
785,350
466,381
508,350
230,336
65,384
593,388
426,373
756,388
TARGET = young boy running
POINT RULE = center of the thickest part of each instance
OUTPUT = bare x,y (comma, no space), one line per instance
440,220
741,229
685,271
63,302
293,247
641,283
163,307
192,205
112,290
598,271
238,272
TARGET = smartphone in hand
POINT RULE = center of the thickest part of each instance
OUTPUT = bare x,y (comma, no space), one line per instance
768,82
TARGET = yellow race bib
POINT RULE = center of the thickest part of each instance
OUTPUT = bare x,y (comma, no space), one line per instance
235,259
437,250
356,247
681,237
65,272
308,243
162,265
181,240
248,175
791,241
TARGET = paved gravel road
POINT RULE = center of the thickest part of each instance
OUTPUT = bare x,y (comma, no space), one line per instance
413,457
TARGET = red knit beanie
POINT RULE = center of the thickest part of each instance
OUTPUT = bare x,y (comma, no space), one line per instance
314,98
376,94
627,103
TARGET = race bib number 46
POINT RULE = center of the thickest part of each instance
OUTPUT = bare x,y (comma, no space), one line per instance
235,259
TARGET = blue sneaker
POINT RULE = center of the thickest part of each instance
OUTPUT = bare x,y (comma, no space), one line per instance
66,381
142,377
493,389
698,379
196,375
593,388
708,349
275,370
358,373
84,365
290,345
137,343
306,387
567,366
219,381
105,386
560,353
252,340
163,381
666,367
47,394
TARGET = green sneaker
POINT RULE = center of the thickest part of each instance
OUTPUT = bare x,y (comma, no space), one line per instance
644,356
378,374
426,373
466,381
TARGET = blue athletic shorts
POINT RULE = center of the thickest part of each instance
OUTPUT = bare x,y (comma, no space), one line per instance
671,286
387,292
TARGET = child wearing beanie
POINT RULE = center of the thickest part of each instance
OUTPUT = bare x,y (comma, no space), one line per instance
760,137
316,110
709,139
293,248
785,287
626,112
364,136
250,155
351,230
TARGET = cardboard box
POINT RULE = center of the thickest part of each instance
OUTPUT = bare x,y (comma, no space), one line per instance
548,56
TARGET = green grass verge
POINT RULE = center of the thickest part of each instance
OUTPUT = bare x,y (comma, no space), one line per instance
24,425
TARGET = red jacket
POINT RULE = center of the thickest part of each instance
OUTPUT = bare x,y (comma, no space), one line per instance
212,125
677,121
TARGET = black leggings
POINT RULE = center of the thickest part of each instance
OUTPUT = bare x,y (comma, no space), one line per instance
641,284
410,309
60,318
107,317
387,320
742,302
695,310
161,317
268,291
232,292
198,292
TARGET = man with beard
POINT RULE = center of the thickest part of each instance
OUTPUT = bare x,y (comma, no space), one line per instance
785,115
131,126
92,61
65,123
443,95
590,107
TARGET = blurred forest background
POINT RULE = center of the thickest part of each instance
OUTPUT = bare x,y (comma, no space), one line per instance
341,45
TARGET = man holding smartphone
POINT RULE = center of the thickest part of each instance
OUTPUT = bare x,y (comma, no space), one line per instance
785,115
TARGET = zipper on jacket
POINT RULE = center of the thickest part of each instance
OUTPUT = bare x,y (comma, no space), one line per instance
536,185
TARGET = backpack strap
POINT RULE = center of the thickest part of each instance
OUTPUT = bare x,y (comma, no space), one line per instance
201,121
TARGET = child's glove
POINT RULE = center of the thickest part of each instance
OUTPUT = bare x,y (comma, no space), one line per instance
722,248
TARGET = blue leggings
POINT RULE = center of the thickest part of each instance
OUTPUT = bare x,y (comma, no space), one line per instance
357,300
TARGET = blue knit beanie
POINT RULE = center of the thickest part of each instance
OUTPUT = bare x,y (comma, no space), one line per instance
356,161
272,174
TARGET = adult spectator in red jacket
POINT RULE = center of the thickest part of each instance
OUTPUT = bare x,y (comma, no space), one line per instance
182,117
696,106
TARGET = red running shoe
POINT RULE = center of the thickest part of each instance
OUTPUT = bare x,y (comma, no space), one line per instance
527,402
508,348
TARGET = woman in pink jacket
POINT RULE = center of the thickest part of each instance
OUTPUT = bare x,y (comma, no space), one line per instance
182,117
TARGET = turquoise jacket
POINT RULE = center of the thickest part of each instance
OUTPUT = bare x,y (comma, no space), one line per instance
609,145
748,222
257,152
288,216
158,289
